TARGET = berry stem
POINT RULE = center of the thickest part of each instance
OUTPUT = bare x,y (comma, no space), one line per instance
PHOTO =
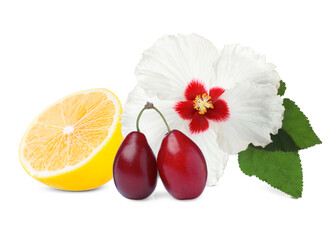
150,106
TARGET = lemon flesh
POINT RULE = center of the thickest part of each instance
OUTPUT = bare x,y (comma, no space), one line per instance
72,144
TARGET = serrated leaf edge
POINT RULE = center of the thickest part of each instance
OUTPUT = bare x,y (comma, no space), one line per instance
309,125
253,175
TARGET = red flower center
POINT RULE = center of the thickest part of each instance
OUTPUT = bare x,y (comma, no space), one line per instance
200,106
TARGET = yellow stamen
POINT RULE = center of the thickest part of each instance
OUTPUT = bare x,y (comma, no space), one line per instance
202,103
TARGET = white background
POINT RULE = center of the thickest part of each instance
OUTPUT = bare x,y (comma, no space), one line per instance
49,49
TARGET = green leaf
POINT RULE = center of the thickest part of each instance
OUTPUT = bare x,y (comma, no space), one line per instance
280,142
281,170
296,124
282,88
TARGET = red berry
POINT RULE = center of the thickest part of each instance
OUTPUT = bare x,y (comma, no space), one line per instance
134,168
181,166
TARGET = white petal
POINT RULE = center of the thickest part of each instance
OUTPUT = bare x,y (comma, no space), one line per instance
239,64
154,128
166,68
255,112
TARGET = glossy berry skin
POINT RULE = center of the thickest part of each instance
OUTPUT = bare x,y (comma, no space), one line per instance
135,168
181,166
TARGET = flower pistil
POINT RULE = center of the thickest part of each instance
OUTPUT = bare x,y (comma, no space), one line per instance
202,103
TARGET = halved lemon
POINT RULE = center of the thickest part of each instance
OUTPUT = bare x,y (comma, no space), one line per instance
72,144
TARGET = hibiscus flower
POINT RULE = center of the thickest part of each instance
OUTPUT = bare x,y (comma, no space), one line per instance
222,100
